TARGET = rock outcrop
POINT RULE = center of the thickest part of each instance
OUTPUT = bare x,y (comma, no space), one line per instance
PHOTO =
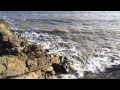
20,60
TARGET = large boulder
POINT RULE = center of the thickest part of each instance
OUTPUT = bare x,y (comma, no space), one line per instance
11,66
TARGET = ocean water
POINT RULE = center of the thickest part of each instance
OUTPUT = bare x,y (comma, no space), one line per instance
89,39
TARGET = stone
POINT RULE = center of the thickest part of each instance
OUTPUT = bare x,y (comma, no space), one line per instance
21,60
56,59
12,67
5,30
32,65
30,75
2,68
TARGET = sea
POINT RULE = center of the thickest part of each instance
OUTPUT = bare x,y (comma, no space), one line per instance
89,39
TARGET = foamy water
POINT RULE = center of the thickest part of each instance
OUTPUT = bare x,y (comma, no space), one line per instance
90,40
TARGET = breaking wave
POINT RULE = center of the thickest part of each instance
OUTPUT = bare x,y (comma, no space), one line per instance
90,40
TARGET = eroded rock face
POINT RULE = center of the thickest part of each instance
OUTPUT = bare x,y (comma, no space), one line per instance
10,43
19,60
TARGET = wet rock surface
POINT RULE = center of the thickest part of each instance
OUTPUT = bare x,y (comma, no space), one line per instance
20,60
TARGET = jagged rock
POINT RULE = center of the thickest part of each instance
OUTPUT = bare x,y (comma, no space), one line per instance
20,60
9,41
31,48
34,51
5,30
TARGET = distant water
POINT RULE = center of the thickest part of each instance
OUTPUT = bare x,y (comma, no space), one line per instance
35,20
63,32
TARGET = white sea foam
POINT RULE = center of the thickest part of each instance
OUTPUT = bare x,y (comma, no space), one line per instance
71,48
95,64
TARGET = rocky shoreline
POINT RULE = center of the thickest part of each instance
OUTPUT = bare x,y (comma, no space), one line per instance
20,60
